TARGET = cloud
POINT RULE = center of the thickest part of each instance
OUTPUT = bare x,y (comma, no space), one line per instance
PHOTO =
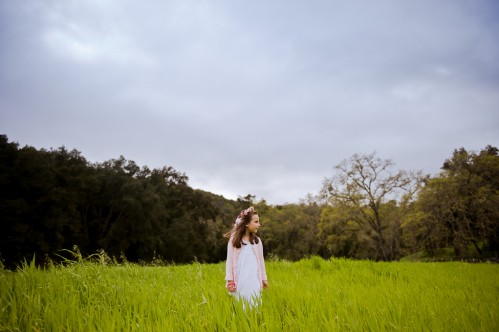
261,98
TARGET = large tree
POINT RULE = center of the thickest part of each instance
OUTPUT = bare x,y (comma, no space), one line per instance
367,197
460,207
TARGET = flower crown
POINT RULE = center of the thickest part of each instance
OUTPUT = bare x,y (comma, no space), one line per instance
243,214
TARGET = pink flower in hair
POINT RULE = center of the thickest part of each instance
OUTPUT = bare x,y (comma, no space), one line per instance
248,210
242,214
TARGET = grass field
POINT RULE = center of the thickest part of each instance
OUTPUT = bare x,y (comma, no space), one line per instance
310,295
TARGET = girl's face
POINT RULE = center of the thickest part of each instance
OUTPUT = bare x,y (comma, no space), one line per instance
254,224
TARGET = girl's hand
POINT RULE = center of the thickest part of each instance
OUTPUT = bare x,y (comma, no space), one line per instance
231,286
265,284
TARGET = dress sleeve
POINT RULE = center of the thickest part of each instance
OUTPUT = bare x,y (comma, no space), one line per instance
229,274
262,261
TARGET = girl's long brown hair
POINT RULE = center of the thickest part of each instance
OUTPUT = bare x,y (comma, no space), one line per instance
237,231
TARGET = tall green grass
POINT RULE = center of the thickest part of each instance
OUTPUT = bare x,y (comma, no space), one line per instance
310,295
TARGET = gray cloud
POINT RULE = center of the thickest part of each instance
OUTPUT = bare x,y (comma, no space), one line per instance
261,98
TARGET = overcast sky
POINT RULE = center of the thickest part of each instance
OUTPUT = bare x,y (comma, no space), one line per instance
252,97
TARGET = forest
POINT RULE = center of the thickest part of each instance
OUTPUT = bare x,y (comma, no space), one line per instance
55,200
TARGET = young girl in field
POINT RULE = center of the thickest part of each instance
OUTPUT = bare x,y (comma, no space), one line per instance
245,268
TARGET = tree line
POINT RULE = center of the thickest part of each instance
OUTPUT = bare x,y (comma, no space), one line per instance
52,200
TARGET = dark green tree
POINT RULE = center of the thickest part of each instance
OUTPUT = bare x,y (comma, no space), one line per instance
460,207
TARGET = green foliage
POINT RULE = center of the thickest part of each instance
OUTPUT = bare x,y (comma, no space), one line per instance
460,207
309,295
290,232
52,200
55,199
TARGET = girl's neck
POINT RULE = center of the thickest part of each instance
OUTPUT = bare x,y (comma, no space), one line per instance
246,237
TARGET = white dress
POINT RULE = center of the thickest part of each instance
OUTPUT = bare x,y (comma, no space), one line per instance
248,284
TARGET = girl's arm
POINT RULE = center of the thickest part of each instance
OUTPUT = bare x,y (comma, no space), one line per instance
262,264
229,274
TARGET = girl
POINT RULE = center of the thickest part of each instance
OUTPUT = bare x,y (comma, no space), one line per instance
245,268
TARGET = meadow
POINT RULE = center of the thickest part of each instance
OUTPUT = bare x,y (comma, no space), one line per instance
309,295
